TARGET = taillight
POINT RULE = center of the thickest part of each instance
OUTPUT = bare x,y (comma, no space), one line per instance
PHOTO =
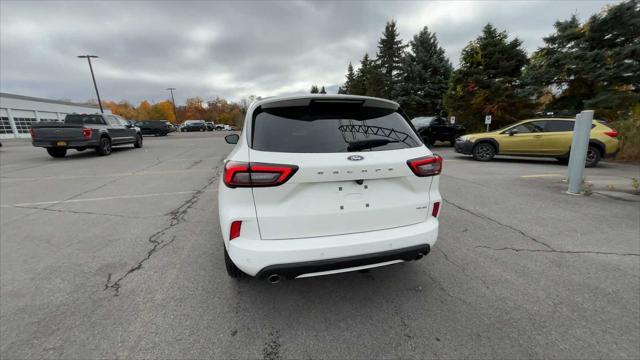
235,229
613,133
242,174
426,166
86,133
436,209
31,132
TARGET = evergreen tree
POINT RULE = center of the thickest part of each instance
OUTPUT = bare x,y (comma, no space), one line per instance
341,90
322,90
390,53
375,81
591,65
425,75
351,79
488,81
314,89
359,86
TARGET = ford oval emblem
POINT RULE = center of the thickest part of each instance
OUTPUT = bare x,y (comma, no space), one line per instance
355,158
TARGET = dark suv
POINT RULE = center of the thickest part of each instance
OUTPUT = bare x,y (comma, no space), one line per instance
154,127
435,128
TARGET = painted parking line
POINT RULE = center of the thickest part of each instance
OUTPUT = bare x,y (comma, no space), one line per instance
141,173
102,198
541,176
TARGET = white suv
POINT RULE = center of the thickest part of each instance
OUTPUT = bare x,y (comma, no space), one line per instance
322,184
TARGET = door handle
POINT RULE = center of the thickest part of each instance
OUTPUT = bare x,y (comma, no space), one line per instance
537,136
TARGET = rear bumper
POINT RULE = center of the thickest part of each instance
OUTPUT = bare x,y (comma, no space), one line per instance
294,270
463,147
612,154
71,144
295,257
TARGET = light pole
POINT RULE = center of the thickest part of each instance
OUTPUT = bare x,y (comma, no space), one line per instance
88,57
173,102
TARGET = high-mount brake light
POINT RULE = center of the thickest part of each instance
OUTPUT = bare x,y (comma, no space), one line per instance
426,166
242,174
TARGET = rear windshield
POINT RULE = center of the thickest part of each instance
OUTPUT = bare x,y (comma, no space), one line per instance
83,119
331,128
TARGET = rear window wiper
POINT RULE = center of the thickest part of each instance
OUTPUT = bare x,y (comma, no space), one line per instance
368,144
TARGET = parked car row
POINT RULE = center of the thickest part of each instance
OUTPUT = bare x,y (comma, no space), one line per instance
164,127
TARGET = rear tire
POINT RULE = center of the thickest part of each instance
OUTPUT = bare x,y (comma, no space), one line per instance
57,152
104,148
428,141
157,133
232,269
593,156
484,152
138,143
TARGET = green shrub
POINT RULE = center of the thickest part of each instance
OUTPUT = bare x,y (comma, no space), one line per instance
629,129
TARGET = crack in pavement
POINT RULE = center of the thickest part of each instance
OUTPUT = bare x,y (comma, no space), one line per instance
558,251
195,163
501,224
177,216
82,212
462,269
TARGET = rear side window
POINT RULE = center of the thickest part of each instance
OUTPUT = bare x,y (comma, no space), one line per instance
331,128
84,119
559,126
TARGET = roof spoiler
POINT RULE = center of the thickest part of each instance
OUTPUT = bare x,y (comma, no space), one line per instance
365,101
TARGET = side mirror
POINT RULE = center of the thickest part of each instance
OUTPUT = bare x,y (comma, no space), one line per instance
512,132
232,139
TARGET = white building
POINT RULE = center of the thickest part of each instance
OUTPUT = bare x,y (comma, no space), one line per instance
17,112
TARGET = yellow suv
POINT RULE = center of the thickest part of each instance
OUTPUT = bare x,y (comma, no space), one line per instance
539,137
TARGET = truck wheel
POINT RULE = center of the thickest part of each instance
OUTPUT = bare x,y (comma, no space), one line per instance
57,152
138,143
232,269
104,148
593,156
484,152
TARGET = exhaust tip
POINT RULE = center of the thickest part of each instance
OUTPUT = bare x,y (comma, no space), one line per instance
273,278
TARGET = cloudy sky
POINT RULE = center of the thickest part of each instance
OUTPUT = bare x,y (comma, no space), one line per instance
232,49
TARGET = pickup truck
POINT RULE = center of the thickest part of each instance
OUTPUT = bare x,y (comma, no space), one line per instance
82,131
435,128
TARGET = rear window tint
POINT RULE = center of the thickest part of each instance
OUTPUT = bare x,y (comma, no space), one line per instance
331,128
84,119
559,125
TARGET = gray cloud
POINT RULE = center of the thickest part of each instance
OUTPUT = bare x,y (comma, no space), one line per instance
232,49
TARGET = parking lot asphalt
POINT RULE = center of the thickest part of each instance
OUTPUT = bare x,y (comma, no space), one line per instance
121,256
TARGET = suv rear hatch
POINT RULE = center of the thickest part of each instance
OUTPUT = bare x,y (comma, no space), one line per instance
352,172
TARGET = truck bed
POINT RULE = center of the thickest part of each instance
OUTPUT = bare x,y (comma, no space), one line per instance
47,134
